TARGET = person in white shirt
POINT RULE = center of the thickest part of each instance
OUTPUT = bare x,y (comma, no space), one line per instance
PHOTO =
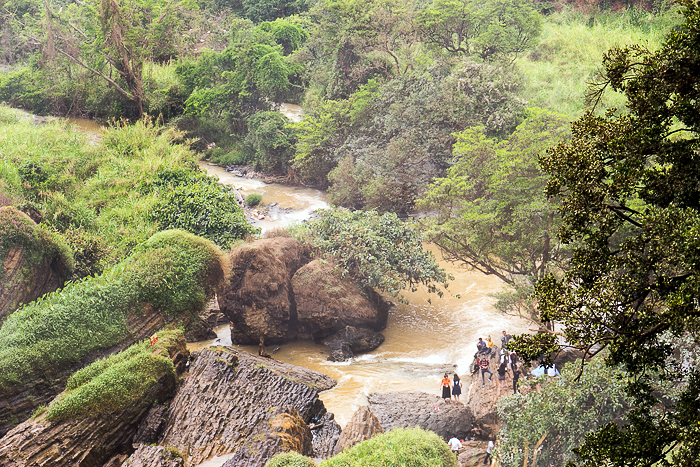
455,445
487,459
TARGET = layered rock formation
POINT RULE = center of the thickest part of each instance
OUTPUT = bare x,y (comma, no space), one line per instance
235,402
427,411
277,293
85,441
362,426
33,261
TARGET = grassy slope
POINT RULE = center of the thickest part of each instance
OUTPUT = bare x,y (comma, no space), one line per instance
571,50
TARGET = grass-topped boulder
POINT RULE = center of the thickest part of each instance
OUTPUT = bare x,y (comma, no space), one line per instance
119,381
35,261
414,447
172,274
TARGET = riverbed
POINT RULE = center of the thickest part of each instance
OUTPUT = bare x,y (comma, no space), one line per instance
424,339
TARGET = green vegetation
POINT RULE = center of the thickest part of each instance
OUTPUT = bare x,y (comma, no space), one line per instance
117,382
489,213
40,245
174,272
290,459
401,447
200,205
628,188
544,426
253,199
378,251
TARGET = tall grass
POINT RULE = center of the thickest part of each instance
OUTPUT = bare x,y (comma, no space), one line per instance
570,52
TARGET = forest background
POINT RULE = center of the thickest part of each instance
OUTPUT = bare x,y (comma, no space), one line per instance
443,107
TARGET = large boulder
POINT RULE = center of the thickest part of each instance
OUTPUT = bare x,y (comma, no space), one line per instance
350,341
362,426
257,298
327,303
34,261
410,409
232,400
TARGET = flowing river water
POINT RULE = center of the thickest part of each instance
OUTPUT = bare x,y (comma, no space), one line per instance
423,339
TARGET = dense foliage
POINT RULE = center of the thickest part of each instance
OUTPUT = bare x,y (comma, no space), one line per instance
630,205
116,382
414,447
380,251
544,426
490,212
200,205
174,271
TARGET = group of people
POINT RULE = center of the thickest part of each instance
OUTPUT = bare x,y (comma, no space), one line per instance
451,388
456,444
507,361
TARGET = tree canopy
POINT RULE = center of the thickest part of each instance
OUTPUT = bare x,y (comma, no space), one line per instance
630,207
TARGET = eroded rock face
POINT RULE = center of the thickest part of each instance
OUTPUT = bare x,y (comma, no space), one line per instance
234,400
327,304
257,299
427,411
33,263
362,426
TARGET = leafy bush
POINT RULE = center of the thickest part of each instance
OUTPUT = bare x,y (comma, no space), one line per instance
116,382
290,459
206,209
565,410
253,199
400,447
174,271
270,140
378,251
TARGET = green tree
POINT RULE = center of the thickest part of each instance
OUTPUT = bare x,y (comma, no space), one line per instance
544,426
630,205
269,10
494,29
270,141
489,212
379,251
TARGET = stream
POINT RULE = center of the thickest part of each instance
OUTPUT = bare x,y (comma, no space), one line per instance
423,339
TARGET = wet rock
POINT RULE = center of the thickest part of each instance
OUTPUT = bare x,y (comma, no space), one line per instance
231,399
326,303
362,426
409,409
203,328
257,300
33,262
350,341
154,456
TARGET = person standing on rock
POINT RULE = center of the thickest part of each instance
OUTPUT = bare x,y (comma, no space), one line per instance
484,366
516,377
489,346
502,370
505,338
489,448
446,388
455,445
456,387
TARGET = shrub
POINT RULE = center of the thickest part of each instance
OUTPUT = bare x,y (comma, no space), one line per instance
378,251
253,199
414,447
174,271
206,209
290,459
116,382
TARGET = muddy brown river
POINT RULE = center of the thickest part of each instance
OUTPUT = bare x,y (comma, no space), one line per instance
423,339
